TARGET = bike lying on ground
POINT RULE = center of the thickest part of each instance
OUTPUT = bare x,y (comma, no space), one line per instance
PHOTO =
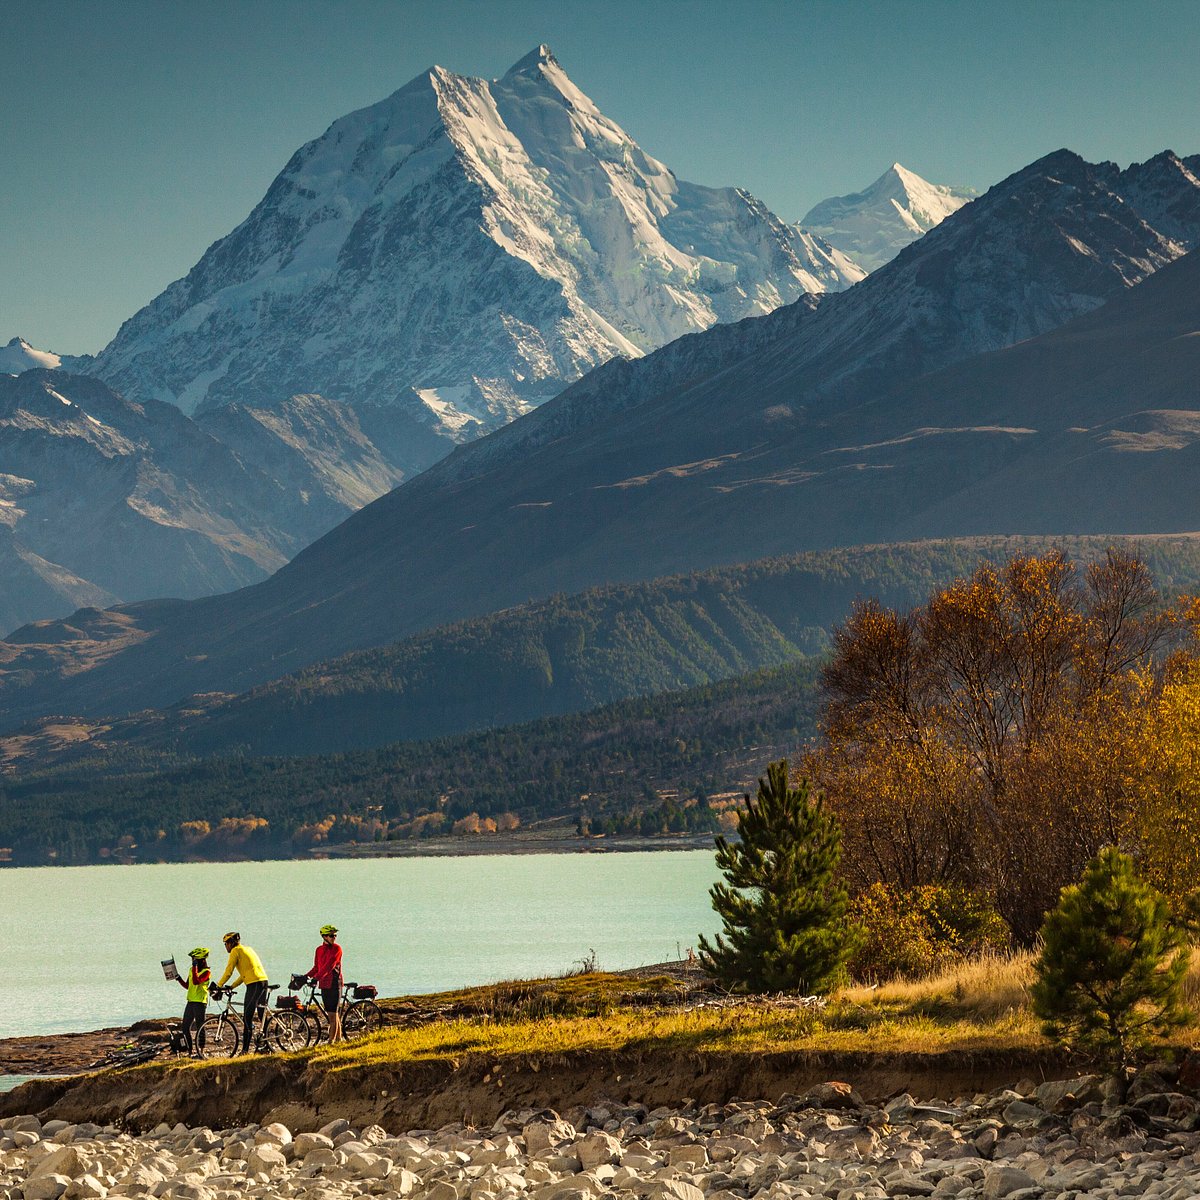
133,1054
358,1010
277,1029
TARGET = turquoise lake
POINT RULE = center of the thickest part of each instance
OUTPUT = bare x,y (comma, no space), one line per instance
80,947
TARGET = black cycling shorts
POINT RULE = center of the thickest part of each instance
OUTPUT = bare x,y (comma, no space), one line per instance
331,998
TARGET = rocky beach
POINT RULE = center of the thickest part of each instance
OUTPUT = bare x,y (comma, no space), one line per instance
1069,1139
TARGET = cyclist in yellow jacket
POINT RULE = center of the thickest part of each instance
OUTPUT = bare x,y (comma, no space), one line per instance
250,971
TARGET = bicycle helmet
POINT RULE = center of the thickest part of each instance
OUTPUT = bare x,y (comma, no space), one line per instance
328,929
231,937
199,952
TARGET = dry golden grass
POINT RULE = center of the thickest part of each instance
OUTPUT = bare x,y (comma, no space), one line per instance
1191,983
748,1028
586,993
986,988
979,1005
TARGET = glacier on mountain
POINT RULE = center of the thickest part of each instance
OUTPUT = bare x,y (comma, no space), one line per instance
461,251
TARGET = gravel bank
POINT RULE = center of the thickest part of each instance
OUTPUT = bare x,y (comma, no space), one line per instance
1070,1139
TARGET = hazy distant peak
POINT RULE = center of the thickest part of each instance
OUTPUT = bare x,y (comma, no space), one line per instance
19,356
874,225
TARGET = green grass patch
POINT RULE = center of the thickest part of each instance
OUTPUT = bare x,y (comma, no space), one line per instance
586,994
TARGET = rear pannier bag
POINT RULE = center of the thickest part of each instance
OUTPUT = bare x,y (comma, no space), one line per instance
366,992
289,1004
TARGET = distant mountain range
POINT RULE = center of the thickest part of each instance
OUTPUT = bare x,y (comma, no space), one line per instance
560,655
460,252
869,415
426,270
874,225
20,356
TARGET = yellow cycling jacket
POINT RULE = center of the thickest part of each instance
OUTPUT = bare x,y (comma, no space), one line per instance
247,964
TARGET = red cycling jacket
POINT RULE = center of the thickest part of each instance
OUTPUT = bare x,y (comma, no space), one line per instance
326,964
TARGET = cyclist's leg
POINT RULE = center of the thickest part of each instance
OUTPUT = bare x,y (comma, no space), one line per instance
193,1018
331,1000
256,995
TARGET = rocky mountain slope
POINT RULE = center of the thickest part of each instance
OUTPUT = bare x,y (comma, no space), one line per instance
102,498
874,225
457,253
1054,240
825,423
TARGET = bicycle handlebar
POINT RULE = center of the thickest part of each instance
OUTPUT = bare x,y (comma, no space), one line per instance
310,982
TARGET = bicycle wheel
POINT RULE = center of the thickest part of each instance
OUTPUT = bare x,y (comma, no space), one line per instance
288,1030
361,1018
222,1036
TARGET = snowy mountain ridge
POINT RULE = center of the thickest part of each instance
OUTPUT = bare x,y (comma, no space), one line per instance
19,356
874,225
461,251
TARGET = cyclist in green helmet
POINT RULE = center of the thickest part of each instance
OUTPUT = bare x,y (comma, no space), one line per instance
327,971
199,977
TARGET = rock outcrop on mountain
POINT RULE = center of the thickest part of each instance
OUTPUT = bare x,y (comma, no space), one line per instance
315,450
874,225
457,254
874,414
102,498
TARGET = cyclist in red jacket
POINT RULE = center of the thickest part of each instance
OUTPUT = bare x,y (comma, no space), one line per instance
327,971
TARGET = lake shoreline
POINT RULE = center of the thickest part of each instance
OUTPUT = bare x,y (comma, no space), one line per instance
517,843
465,846
410,925
77,1052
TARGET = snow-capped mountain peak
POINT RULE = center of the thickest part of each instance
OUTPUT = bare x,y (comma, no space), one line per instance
19,356
874,225
489,241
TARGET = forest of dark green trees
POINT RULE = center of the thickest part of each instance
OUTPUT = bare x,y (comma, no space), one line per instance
642,766
497,721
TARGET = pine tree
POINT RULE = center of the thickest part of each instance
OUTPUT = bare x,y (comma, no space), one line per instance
1112,965
782,911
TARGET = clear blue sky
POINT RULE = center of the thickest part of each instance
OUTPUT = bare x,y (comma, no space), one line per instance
136,132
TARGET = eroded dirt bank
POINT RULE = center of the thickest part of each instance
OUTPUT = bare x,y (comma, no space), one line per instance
304,1092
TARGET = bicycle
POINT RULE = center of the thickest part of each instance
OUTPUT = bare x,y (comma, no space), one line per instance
132,1054
277,1029
358,1010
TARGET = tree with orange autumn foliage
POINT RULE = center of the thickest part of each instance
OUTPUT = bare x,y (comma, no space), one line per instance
1162,773
984,740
